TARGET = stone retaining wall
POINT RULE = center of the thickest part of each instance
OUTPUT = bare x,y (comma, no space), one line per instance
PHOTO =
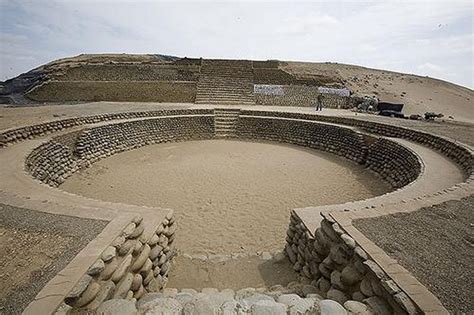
110,139
301,96
454,151
29,132
134,264
137,91
342,270
392,162
330,138
131,72
57,159
53,161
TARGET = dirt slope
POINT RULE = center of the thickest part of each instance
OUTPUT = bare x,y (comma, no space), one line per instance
419,94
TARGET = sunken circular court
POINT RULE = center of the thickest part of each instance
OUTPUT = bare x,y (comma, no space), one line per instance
256,191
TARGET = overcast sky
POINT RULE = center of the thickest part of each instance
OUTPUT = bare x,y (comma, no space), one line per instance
429,37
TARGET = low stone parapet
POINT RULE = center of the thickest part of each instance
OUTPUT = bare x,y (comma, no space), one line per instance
57,159
29,132
341,270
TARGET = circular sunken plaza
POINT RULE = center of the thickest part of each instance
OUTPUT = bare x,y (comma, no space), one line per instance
255,207
207,186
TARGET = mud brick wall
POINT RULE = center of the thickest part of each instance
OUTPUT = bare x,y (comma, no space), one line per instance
139,91
30,132
342,270
131,266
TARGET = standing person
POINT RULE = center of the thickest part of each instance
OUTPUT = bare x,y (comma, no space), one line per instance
319,104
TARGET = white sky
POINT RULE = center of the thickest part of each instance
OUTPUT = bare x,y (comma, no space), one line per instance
429,37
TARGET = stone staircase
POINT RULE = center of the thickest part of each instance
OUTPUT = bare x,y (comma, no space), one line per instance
225,122
225,82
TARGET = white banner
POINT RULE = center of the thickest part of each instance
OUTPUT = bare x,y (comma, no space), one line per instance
267,89
340,92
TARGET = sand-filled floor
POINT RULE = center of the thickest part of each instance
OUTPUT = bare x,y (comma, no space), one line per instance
228,196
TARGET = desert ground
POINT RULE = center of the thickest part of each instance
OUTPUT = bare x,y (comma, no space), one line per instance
419,94
229,196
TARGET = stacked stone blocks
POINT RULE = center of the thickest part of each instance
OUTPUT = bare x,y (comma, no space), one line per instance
342,270
301,96
53,162
455,151
29,132
130,267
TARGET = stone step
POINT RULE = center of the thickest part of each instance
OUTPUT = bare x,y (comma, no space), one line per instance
227,114
225,102
234,102
216,125
226,98
225,87
227,110
228,118
225,131
295,298
231,93
228,70
225,95
215,84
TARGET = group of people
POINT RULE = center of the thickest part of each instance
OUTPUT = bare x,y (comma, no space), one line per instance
366,103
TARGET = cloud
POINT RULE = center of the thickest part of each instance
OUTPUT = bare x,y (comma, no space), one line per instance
399,35
430,67
309,24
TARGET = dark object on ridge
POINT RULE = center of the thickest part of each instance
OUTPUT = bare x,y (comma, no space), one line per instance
432,115
389,106
392,113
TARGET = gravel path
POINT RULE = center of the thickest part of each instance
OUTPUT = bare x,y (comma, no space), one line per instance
436,244
35,246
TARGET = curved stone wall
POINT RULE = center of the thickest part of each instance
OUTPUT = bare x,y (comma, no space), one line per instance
54,161
111,139
329,251
394,163
29,132
455,151
57,159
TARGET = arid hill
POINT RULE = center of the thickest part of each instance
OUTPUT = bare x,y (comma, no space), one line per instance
149,75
